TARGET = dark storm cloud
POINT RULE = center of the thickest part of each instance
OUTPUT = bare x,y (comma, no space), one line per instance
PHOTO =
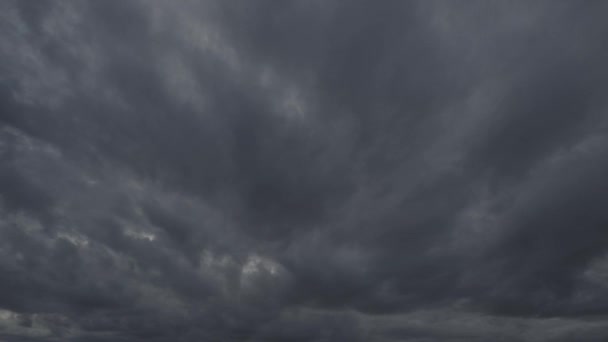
311,171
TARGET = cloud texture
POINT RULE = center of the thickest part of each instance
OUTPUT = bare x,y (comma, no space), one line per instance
303,171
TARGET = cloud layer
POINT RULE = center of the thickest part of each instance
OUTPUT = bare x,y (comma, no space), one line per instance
303,171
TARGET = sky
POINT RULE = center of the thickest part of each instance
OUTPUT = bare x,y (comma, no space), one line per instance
429,171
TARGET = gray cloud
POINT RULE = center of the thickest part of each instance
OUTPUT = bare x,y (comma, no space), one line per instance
309,171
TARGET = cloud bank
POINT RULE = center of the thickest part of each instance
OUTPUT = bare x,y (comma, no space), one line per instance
303,171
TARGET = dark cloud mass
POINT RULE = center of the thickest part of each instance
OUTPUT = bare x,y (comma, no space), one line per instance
303,171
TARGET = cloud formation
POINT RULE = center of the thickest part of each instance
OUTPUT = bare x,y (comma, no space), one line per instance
303,171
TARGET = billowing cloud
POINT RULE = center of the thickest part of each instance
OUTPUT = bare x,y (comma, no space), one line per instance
310,171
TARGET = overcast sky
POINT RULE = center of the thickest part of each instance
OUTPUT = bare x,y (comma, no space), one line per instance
264,170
